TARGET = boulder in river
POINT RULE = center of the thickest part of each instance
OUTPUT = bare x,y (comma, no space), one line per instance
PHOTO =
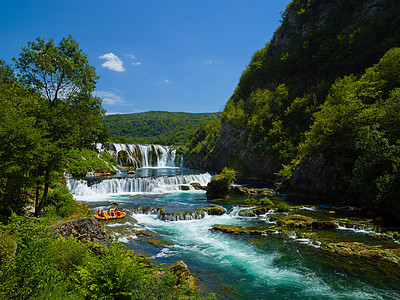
217,189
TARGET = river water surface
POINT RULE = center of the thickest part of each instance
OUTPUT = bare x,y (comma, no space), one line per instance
233,267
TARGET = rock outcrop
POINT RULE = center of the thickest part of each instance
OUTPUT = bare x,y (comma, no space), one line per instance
181,270
304,222
219,189
85,229
185,215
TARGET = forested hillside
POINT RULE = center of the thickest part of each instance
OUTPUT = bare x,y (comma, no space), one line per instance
315,110
156,127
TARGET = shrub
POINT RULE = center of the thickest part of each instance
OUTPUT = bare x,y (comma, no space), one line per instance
227,175
8,247
266,201
61,203
283,207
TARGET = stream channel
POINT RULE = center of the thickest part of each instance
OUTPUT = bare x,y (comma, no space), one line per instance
231,266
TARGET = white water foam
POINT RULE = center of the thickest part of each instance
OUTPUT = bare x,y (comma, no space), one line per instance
149,185
165,252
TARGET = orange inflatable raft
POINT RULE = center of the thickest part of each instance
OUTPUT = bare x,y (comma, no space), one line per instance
110,215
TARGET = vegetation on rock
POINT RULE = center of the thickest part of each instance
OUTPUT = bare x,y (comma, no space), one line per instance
82,161
317,107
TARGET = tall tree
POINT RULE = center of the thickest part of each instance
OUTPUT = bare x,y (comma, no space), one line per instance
58,72
67,115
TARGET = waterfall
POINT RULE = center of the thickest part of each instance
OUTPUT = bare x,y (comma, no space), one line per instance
158,185
141,156
181,162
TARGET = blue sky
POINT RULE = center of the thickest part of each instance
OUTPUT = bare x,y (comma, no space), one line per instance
174,55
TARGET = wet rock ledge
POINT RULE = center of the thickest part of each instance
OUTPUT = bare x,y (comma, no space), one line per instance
187,215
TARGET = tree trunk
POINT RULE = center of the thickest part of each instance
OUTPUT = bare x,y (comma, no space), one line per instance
40,204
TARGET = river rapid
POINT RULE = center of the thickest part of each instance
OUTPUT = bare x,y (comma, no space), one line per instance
231,266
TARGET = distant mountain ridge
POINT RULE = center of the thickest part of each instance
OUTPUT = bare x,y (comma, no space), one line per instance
156,127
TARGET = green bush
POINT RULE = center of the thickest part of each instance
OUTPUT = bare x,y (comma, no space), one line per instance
266,201
81,161
117,275
8,246
45,268
283,207
227,175
61,203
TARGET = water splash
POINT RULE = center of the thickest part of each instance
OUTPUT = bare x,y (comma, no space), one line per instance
151,185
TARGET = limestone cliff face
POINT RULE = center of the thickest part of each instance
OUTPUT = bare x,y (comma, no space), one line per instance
234,149
316,177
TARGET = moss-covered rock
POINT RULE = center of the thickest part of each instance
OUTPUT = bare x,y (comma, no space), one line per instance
214,210
236,229
197,186
372,258
217,189
185,215
304,222
181,270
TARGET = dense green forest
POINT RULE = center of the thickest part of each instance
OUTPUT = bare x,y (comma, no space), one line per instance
321,99
156,127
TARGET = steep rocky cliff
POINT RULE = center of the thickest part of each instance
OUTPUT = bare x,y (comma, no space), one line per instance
317,42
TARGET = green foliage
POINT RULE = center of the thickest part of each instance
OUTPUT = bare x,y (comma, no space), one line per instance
288,80
376,175
117,275
266,201
227,175
56,71
69,254
155,127
60,203
282,206
203,141
8,246
44,120
82,161
45,268
20,145
6,73
359,122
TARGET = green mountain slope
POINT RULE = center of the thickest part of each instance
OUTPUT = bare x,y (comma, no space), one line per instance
156,127
315,109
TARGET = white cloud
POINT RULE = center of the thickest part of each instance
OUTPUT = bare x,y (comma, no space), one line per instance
133,57
209,62
109,97
113,62
166,80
